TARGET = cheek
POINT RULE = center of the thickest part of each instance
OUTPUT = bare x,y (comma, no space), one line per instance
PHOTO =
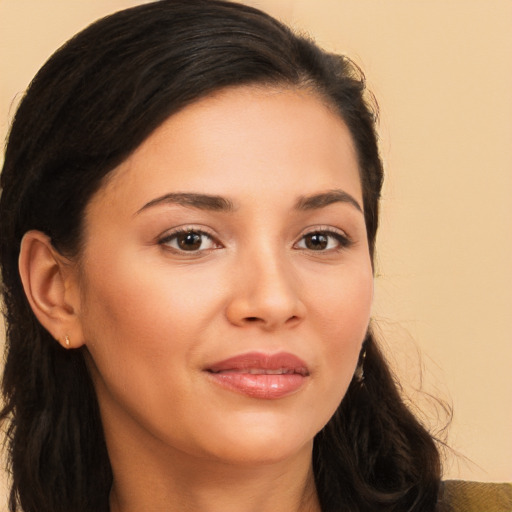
130,317
342,316
142,328
144,322
135,297
344,303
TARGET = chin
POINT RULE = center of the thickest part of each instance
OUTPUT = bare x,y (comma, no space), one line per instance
261,444
263,452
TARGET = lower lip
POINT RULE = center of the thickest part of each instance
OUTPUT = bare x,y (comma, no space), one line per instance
269,387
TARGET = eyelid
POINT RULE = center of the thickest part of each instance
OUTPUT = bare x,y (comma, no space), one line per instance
343,239
341,236
172,233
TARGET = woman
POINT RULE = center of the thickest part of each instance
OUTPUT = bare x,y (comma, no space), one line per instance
189,208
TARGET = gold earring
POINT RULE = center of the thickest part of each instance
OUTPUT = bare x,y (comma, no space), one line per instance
359,373
66,340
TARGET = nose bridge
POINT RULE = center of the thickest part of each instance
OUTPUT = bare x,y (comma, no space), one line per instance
272,279
266,291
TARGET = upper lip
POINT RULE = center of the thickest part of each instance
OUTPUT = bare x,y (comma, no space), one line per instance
258,362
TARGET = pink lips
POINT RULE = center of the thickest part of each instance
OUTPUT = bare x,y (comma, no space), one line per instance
260,375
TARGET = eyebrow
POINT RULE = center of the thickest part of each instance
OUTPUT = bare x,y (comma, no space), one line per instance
222,204
200,201
324,199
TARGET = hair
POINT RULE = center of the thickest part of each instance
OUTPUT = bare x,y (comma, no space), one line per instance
90,106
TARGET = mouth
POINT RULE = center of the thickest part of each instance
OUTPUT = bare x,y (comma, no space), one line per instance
264,371
263,376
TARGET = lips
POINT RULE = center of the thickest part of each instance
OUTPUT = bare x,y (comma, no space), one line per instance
258,375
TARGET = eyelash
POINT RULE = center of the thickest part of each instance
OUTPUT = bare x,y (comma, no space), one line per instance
174,235
342,240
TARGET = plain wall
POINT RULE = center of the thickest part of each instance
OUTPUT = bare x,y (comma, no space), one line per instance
442,73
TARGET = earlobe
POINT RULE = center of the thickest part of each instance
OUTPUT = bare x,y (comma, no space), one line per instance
48,283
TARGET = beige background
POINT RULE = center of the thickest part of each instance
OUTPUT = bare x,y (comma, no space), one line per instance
442,72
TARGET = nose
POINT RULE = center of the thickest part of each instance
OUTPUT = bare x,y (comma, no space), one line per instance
265,294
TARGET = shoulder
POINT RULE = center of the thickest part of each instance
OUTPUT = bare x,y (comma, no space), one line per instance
463,496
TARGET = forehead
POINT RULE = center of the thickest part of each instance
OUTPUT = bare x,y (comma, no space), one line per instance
243,140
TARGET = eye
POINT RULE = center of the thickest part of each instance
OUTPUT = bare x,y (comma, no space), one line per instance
323,240
189,240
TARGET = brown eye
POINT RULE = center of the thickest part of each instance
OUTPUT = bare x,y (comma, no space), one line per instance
316,241
323,241
189,240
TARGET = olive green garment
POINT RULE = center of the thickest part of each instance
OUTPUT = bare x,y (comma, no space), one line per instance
462,496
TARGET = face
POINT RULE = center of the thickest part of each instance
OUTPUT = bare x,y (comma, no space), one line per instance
226,281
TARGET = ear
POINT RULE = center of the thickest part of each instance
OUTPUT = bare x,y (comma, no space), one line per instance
51,286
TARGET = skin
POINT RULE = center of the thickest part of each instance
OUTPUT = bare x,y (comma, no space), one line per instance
153,316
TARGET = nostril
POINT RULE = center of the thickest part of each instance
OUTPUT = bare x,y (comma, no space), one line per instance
256,319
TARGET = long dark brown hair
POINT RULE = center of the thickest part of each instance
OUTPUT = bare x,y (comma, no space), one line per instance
96,100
